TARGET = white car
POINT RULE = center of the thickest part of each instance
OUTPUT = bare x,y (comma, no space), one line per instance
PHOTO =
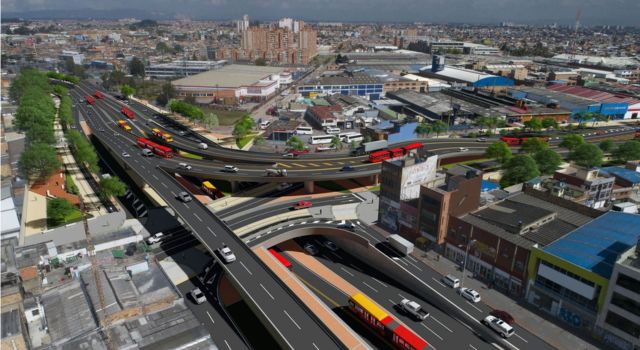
126,155
347,226
198,296
462,149
330,245
184,166
184,197
481,139
158,237
289,155
283,186
499,326
470,295
230,169
311,249
226,254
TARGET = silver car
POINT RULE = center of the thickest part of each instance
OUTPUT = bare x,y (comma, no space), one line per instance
198,296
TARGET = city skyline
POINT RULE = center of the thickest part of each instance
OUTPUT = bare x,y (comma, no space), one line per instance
616,12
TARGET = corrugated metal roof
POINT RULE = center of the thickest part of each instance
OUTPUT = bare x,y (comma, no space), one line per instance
596,245
623,173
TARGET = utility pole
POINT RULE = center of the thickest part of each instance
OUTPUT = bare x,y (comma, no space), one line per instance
466,256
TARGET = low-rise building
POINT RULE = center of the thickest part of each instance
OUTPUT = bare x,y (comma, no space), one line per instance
180,68
323,116
346,83
589,187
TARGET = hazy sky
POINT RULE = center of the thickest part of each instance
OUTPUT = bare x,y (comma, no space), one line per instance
623,12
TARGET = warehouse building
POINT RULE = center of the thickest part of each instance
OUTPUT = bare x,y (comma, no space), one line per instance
463,77
233,84
181,68
345,83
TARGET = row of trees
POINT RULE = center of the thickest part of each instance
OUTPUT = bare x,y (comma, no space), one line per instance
437,127
82,150
194,113
34,116
65,77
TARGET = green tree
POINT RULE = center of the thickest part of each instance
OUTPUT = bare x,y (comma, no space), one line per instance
295,143
533,124
136,67
549,123
127,91
490,122
583,117
211,120
243,126
499,151
547,160
39,161
112,186
439,126
163,48
572,141
82,150
606,145
533,145
336,142
166,93
58,209
627,151
260,62
259,140
423,130
586,155
519,169
42,133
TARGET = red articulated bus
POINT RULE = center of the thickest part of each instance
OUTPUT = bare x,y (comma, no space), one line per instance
517,140
281,259
384,324
159,150
379,156
90,100
97,94
127,112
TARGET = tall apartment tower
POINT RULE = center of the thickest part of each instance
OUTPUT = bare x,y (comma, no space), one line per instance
242,24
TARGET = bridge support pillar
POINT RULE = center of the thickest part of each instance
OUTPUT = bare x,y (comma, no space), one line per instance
309,186
375,179
234,186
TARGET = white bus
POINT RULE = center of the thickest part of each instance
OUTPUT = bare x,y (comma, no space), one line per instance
354,137
332,131
304,130
343,135
319,140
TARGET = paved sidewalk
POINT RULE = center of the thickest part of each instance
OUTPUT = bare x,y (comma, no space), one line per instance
532,322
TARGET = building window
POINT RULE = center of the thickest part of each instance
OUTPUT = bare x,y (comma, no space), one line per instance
625,303
629,283
623,324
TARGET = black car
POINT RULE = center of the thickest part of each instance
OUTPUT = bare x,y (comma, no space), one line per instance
347,167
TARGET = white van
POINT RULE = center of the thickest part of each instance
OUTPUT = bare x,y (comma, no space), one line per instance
333,131
203,145
304,130
265,124
147,152
451,281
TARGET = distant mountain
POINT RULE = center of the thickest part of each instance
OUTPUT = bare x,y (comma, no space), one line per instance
84,13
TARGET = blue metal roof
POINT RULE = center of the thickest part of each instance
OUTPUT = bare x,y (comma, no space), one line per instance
623,173
597,245
488,186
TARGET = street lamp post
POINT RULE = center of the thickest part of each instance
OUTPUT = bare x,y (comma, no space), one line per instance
466,256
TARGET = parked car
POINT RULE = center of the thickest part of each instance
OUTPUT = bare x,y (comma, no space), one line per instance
184,197
230,169
198,296
470,295
330,245
503,315
302,205
226,254
156,238
311,249
499,326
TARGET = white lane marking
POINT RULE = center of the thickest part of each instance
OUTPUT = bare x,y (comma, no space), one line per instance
440,323
211,318
375,239
292,320
345,270
437,281
473,306
412,258
473,347
154,176
380,282
245,267
143,167
302,223
266,291
414,265
197,217
290,225
174,194
524,340
367,284
336,255
328,222
355,267
163,184
315,346
430,330
210,230
315,222
229,346
391,301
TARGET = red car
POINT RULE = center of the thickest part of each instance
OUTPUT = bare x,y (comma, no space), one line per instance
503,315
302,205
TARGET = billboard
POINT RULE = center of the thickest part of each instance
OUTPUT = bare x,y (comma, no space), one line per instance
389,214
415,175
